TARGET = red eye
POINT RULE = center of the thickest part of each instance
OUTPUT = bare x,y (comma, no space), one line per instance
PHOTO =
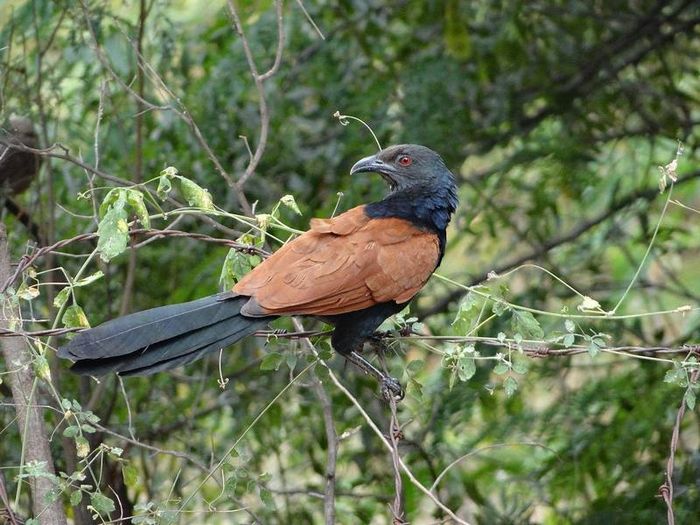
405,160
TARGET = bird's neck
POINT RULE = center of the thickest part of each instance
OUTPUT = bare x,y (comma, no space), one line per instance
428,208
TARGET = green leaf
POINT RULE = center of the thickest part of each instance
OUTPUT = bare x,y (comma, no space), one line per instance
675,376
82,447
468,314
76,497
114,196
113,233
570,326
525,324
569,340
74,317
235,266
164,186
498,295
501,368
266,498
466,368
415,366
61,297
102,503
689,398
594,346
291,359
414,388
272,361
195,195
41,367
71,431
27,292
520,366
135,200
131,475
500,307
289,202
510,385
88,280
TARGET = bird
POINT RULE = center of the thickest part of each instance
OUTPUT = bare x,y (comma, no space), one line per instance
352,271
17,168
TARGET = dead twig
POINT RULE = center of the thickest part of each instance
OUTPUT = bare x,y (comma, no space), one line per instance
259,80
666,490
332,451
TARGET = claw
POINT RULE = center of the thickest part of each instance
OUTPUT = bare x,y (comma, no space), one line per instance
391,389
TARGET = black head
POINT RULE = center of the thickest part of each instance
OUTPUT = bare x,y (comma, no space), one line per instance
21,127
407,166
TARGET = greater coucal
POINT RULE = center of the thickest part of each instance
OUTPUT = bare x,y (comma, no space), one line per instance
352,271
18,168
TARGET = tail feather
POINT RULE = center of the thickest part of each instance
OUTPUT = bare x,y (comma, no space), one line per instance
127,334
138,368
162,338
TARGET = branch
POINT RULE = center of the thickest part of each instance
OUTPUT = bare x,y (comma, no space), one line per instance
182,112
332,451
375,428
27,260
666,490
49,152
35,443
259,83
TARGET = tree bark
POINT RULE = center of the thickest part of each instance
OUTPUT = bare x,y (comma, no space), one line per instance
18,357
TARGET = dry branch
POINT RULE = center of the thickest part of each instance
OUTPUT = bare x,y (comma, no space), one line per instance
23,382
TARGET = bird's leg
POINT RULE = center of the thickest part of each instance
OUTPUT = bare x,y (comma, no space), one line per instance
348,339
390,386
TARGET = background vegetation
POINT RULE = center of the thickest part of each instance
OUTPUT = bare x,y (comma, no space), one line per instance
556,353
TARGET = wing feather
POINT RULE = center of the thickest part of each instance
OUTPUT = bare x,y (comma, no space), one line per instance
342,265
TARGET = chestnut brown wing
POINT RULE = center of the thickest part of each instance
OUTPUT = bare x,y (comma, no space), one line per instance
342,265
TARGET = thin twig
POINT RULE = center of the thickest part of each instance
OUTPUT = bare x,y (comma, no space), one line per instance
259,80
375,428
396,434
27,260
332,451
181,111
666,490
50,152
176,453
310,19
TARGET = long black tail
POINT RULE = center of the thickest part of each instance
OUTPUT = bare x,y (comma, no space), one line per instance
150,341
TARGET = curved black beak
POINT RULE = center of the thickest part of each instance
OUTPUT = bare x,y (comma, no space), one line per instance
373,164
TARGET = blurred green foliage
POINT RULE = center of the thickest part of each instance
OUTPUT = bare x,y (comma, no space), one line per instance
555,117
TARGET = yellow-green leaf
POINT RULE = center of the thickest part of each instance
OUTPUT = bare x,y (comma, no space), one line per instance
113,233
135,200
195,195
74,317
289,202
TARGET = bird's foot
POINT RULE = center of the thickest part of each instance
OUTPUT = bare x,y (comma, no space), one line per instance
379,337
391,389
